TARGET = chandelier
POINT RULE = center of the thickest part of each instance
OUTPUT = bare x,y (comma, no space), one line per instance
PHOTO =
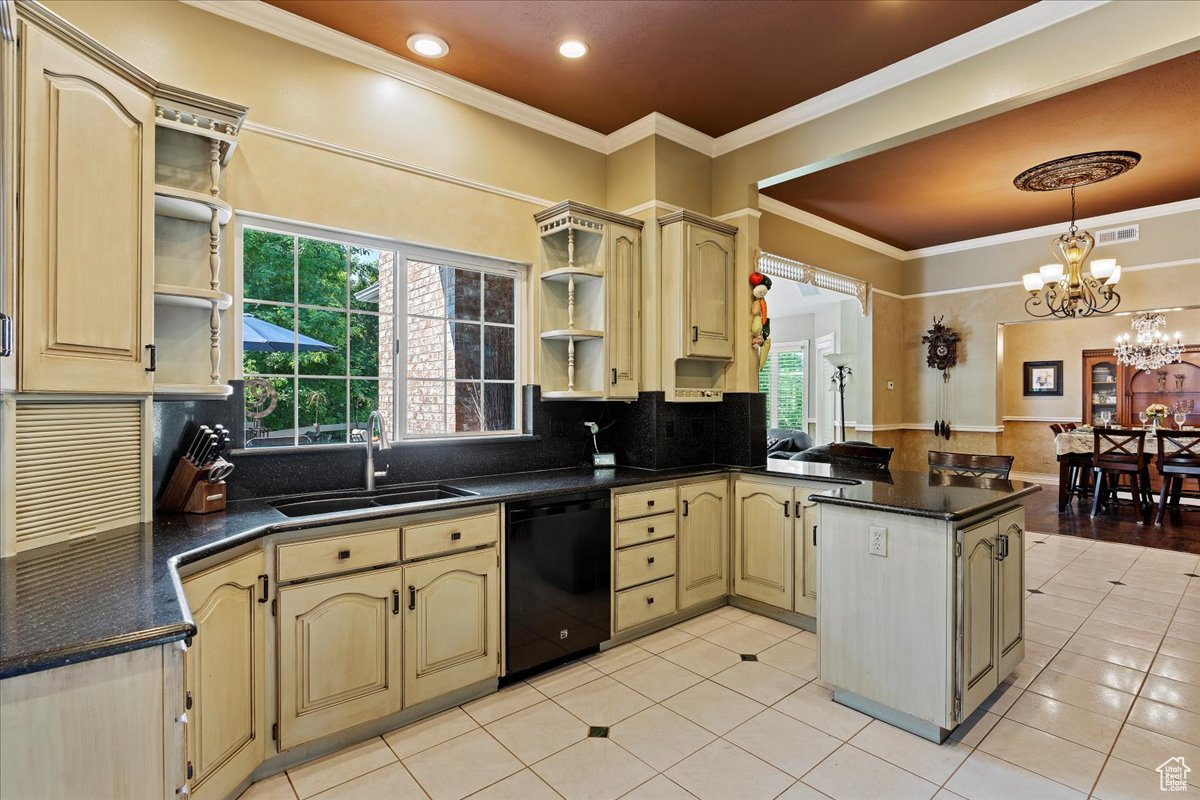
1063,289
1151,348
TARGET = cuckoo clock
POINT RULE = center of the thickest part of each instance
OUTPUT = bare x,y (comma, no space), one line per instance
942,354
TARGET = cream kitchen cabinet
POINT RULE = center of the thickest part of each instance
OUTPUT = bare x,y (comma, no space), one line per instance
86,219
698,257
807,519
451,623
991,603
764,542
339,653
622,330
227,727
703,542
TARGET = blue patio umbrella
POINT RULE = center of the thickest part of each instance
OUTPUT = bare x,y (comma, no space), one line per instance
260,336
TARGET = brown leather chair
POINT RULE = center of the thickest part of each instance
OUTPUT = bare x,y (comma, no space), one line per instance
1176,467
970,465
865,456
1121,453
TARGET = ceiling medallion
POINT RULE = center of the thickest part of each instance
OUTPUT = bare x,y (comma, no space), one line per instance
1063,289
1150,349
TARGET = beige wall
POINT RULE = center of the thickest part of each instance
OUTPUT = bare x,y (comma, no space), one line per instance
791,239
1161,240
682,176
630,176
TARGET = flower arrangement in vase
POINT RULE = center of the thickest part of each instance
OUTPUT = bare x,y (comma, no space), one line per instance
1156,412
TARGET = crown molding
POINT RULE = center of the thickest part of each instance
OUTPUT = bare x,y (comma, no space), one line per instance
649,205
781,209
987,37
294,28
741,212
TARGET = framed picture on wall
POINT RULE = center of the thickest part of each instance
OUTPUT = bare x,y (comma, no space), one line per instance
1043,378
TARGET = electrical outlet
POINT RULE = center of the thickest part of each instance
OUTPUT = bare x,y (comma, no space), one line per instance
877,541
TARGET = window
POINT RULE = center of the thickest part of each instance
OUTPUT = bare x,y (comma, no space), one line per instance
336,326
782,380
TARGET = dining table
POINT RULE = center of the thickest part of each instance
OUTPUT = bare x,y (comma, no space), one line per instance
1074,448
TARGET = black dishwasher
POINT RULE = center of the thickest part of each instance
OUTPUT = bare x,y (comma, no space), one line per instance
557,600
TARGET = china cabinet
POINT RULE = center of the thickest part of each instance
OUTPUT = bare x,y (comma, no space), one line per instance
588,308
1124,391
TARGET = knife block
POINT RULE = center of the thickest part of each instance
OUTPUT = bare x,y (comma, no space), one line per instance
189,490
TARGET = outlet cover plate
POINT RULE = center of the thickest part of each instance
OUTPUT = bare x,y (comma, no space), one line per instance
877,541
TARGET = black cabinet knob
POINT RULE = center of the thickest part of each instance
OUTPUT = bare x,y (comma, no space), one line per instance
343,555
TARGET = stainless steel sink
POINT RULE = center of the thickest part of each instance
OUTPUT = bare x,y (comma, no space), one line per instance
309,505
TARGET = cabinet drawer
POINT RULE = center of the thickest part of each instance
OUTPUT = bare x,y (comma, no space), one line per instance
636,606
460,533
647,529
336,554
646,563
641,504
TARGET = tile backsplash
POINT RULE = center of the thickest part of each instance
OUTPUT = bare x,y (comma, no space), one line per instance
650,433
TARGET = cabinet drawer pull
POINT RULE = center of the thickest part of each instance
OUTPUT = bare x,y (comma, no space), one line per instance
153,358
786,503
343,555
814,535
614,377
695,333
6,335
395,601
187,701
412,598
685,508
649,504
454,537
650,529
650,560
649,601
190,771
262,598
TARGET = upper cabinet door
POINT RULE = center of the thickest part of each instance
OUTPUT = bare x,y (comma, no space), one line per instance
223,669
622,333
764,543
87,215
708,273
703,542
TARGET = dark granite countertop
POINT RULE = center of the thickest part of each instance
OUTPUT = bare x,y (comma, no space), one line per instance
120,590
920,494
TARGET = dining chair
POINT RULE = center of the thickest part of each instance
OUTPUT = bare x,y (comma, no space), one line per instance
1120,453
1055,428
867,456
1079,467
1069,426
970,465
1182,464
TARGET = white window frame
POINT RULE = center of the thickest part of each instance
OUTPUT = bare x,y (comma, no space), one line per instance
404,251
801,347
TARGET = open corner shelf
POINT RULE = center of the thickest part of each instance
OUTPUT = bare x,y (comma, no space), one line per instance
572,334
565,274
171,201
191,297
575,395
202,390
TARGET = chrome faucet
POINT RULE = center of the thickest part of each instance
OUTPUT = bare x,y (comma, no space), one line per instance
384,444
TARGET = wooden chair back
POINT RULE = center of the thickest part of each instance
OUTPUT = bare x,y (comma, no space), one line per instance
1119,448
1185,460
970,465
867,456
1055,428
1069,426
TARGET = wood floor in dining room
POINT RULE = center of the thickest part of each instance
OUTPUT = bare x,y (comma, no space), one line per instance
1178,532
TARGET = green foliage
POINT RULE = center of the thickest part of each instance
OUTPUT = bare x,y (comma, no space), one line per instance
785,401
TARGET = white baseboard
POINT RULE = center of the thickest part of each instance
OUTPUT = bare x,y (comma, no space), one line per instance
1035,477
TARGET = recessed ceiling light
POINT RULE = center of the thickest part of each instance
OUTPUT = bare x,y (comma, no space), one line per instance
428,45
572,48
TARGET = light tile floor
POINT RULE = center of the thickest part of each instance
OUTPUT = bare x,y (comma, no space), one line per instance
728,706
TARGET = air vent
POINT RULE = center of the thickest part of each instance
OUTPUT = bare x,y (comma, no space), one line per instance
1126,233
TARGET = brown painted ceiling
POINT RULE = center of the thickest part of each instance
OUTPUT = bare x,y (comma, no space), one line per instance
958,185
715,65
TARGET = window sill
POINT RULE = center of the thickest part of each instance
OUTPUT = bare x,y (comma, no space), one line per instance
401,444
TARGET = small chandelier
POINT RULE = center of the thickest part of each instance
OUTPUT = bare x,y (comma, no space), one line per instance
1151,348
1063,289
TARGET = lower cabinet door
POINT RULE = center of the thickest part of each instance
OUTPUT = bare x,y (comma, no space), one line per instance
451,624
339,654
807,522
1010,586
764,543
703,542
979,661
223,675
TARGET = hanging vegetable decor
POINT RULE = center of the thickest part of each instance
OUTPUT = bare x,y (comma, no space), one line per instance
760,324
942,342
